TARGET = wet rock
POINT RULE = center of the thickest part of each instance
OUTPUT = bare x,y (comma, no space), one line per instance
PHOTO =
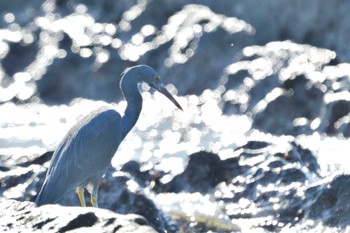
336,116
17,183
120,193
138,203
283,99
330,202
194,55
203,172
25,217
291,107
67,77
300,22
19,180
255,146
83,62
268,182
15,61
143,177
271,182
38,160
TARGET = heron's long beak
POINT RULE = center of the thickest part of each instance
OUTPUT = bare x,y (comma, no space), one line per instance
162,89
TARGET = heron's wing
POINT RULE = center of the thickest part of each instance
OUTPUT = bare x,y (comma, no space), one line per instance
86,151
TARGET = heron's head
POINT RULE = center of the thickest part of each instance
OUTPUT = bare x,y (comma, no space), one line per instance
148,75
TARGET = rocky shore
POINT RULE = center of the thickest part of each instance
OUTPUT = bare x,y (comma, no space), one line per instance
262,143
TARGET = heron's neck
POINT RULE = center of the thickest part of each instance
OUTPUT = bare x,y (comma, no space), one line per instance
132,112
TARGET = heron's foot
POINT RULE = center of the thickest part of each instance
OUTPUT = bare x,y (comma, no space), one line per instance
80,193
94,200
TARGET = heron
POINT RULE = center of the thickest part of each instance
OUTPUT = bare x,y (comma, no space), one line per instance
85,153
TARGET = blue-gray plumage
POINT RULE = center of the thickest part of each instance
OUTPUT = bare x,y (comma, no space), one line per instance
85,153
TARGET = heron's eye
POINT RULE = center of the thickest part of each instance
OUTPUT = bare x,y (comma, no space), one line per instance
155,78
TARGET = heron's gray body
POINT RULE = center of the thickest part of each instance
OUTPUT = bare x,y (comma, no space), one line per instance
85,153
79,153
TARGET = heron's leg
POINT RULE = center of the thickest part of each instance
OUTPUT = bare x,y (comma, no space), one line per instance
80,192
94,197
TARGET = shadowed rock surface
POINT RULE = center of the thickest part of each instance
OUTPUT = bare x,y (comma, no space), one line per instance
25,217
334,196
276,179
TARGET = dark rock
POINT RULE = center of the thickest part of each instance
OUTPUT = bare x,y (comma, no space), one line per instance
204,171
300,22
16,179
4,168
138,203
280,115
196,79
19,57
307,159
282,99
143,178
116,193
83,220
273,181
336,110
38,160
261,173
330,202
255,146
23,18
18,183
120,193
68,77
25,217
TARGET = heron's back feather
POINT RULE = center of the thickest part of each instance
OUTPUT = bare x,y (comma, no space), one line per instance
83,156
